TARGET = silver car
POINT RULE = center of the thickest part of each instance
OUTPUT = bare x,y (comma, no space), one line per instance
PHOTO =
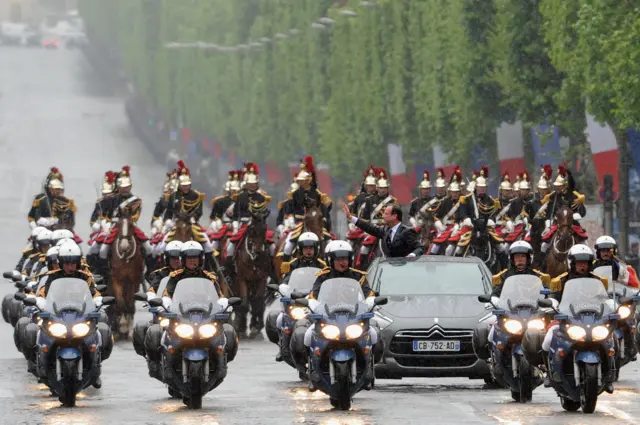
433,308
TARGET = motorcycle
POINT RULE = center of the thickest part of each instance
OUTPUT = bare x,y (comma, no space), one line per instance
298,285
625,301
194,344
341,354
582,352
140,330
12,308
71,343
516,311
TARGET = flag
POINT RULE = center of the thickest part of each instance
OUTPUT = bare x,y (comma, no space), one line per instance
401,182
510,140
604,148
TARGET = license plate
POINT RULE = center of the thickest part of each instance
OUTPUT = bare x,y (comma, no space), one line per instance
436,345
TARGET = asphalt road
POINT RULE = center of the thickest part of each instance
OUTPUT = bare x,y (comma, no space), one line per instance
54,112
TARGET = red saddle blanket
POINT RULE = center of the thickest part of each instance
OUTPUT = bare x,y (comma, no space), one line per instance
579,231
444,236
239,237
356,233
139,234
517,231
461,232
216,236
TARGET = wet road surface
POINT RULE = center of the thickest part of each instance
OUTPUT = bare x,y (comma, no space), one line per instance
55,112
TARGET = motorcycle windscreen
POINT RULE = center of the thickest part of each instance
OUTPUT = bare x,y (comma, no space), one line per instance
69,294
521,291
302,280
617,287
163,285
195,294
342,295
585,295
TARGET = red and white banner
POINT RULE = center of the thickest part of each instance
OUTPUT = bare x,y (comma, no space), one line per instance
441,160
604,148
510,139
401,182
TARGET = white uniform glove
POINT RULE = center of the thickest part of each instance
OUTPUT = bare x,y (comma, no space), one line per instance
369,301
223,302
547,224
166,302
413,222
167,226
495,300
98,301
157,224
577,216
192,220
313,305
154,231
467,222
440,227
235,225
623,274
216,225
95,226
151,295
525,221
491,223
33,225
280,229
290,222
352,226
456,228
509,226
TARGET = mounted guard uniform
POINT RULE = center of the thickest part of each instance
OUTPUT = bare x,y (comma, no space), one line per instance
517,214
169,187
101,216
535,204
222,207
449,214
423,204
284,221
41,212
355,235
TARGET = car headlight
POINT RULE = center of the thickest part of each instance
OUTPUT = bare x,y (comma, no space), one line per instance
164,322
297,313
58,330
208,330
599,333
331,332
382,321
624,311
184,331
576,332
353,331
80,330
537,324
513,326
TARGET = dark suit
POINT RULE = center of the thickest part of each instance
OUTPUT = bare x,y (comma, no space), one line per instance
404,242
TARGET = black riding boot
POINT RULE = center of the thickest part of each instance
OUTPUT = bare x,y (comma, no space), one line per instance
241,317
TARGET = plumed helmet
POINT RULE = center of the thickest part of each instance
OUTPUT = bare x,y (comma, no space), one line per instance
124,177
456,179
109,183
482,179
441,178
525,181
383,179
55,180
506,182
184,175
426,181
561,178
370,176
252,175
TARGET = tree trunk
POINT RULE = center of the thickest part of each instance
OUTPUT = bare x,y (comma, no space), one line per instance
623,204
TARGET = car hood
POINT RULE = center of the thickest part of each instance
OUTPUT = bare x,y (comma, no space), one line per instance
433,306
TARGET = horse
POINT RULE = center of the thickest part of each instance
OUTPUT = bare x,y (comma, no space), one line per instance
479,242
252,264
535,240
427,228
183,228
127,267
561,242
66,220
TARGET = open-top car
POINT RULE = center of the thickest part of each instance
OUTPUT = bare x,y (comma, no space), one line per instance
427,325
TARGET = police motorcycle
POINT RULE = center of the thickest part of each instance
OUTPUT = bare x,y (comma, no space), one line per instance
625,301
583,348
341,353
70,342
12,308
157,316
194,343
298,285
516,311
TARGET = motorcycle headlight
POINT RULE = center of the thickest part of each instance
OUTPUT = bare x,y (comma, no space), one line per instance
58,330
624,311
353,331
184,331
164,322
331,332
576,333
80,330
513,326
208,330
297,313
536,324
599,333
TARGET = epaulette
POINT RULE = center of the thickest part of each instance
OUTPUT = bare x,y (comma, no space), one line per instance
34,254
325,199
27,251
160,269
321,261
36,201
496,279
324,271
544,277
289,195
604,280
214,200
234,196
463,199
176,272
85,272
546,198
72,205
363,278
285,267
166,196
210,275
202,196
50,272
280,205
556,283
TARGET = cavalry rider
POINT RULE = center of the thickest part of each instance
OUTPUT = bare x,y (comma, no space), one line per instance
286,206
516,216
185,200
100,220
423,203
448,214
49,207
543,188
340,258
505,196
368,188
308,255
308,191
606,250
564,195
169,187
125,199
222,209
251,195
373,211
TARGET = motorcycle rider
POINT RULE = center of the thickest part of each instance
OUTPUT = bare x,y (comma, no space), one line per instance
309,249
70,258
606,250
37,260
520,260
172,260
192,255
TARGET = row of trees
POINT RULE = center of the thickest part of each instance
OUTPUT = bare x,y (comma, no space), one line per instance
413,72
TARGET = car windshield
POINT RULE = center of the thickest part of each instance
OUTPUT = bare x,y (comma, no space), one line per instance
520,291
302,279
69,294
341,294
195,294
584,294
429,278
163,286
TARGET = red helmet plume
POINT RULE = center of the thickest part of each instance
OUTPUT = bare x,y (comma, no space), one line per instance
307,164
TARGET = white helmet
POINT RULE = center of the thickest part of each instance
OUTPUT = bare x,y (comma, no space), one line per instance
65,241
192,249
521,247
70,253
309,239
605,242
341,249
329,247
172,248
52,255
62,234
45,237
580,252
36,231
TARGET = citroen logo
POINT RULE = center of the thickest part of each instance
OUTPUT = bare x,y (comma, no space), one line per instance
435,320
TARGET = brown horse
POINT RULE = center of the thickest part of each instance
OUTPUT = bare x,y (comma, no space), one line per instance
561,242
127,267
535,236
252,262
183,228
427,228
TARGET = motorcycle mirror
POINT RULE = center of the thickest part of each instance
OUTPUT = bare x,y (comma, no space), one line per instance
302,301
19,296
7,275
30,301
273,286
484,298
20,285
625,300
380,300
546,303
16,278
98,279
108,300
155,302
140,296
234,301
101,288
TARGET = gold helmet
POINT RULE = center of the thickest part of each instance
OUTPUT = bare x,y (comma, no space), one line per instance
426,181
306,169
370,176
383,179
481,180
506,182
525,181
545,177
109,183
184,175
561,179
456,179
516,184
252,176
441,178
55,179
124,177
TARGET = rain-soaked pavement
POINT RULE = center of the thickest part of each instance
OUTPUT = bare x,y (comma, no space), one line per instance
54,112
